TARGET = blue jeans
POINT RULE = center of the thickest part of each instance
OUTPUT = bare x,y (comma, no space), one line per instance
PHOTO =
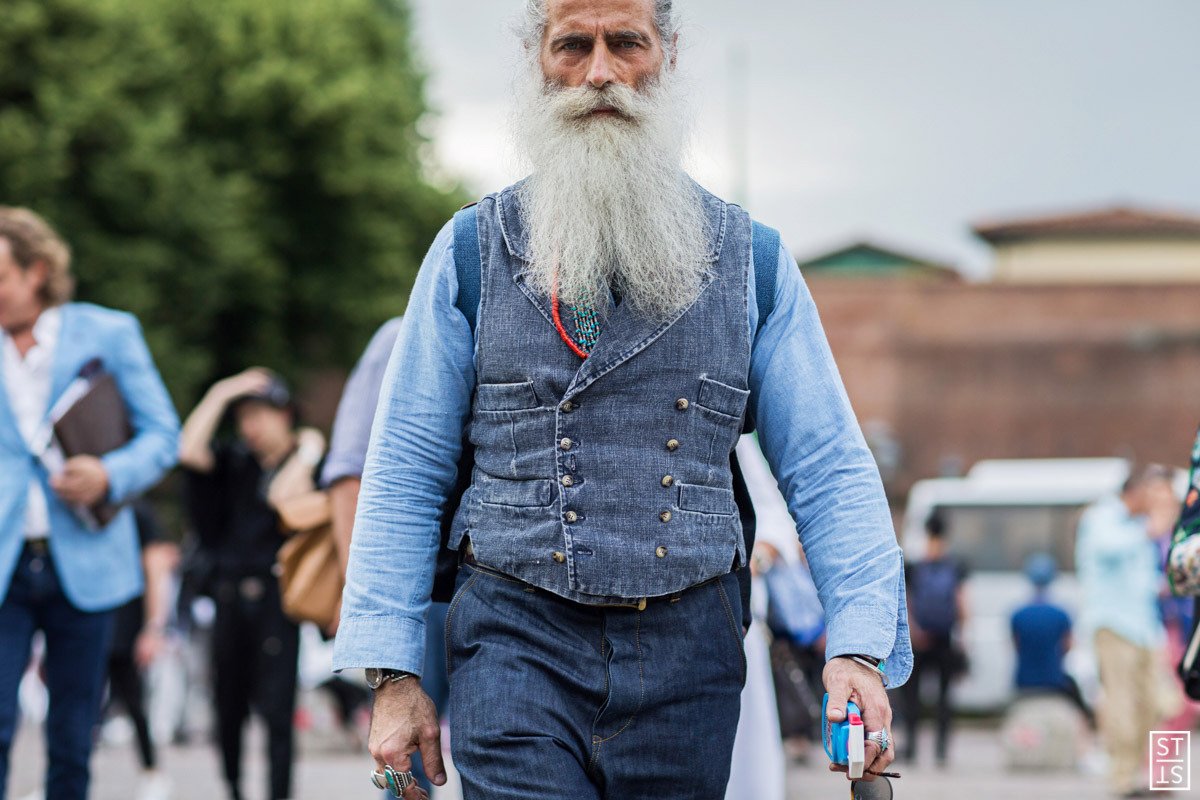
553,699
76,654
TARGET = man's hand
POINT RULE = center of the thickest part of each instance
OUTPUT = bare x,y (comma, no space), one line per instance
247,382
147,647
847,680
82,482
404,720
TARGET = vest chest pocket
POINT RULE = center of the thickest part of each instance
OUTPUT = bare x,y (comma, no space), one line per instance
505,396
507,428
515,494
722,399
719,411
710,500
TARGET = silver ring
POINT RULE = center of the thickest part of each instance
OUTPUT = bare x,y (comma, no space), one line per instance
881,738
397,781
379,780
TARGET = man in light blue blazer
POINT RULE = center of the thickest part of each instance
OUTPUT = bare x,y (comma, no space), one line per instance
56,574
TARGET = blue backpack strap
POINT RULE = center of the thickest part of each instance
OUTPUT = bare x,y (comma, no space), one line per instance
764,241
467,264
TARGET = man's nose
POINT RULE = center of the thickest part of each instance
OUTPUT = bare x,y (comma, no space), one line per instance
600,66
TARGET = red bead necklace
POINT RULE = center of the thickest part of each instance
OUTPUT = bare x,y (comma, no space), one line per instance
558,320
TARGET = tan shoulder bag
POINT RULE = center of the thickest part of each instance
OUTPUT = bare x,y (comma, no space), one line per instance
310,577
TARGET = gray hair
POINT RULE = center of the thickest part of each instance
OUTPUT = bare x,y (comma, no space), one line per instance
533,27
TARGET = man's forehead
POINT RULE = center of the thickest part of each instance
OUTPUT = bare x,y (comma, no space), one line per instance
585,16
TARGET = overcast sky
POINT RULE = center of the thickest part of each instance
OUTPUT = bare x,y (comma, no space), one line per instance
903,122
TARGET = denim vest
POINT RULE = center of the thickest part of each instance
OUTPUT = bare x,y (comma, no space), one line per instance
607,479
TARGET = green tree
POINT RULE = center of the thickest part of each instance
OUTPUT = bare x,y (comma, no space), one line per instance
244,175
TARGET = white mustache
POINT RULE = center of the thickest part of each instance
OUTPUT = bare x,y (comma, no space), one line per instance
582,101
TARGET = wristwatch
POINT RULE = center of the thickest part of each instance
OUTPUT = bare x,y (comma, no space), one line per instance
871,662
377,676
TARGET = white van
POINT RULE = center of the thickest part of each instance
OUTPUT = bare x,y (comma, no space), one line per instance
996,516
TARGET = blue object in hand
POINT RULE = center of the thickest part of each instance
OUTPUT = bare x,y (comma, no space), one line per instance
844,740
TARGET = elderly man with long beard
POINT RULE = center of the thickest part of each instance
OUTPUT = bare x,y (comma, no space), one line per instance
599,365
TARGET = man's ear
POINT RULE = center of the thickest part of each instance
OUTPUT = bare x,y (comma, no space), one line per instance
38,272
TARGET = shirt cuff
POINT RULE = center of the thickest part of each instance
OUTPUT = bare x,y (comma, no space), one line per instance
872,631
380,641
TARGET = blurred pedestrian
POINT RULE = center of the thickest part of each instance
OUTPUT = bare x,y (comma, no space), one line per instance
1041,631
57,574
233,488
1116,559
139,631
937,610
758,767
342,473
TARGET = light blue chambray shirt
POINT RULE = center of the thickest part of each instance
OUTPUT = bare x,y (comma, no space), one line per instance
1118,568
805,427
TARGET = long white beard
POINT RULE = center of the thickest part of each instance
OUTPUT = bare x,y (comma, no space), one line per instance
608,205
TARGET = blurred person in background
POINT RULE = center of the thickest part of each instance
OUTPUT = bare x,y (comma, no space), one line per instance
758,767
1041,631
937,609
342,474
139,631
1116,559
232,489
57,574
796,622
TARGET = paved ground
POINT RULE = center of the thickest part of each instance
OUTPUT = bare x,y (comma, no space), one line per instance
974,773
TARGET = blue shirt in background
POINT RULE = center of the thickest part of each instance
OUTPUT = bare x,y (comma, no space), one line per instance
1118,568
1041,630
352,427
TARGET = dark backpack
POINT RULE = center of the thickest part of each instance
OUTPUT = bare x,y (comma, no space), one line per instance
933,596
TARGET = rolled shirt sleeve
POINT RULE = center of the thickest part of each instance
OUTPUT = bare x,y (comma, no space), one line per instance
812,440
415,444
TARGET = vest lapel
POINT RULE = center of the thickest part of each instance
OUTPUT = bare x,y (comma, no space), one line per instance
624,333
622,336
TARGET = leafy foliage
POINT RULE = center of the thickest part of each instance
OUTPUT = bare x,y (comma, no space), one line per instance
244,175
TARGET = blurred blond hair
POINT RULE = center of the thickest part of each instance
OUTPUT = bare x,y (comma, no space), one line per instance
32,240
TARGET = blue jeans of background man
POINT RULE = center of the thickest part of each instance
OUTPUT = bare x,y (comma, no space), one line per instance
553,699
76,654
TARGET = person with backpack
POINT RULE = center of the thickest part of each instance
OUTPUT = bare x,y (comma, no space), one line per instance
936,613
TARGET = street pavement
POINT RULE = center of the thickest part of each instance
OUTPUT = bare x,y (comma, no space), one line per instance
975,772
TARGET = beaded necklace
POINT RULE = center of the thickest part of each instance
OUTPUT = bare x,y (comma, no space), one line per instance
587,323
